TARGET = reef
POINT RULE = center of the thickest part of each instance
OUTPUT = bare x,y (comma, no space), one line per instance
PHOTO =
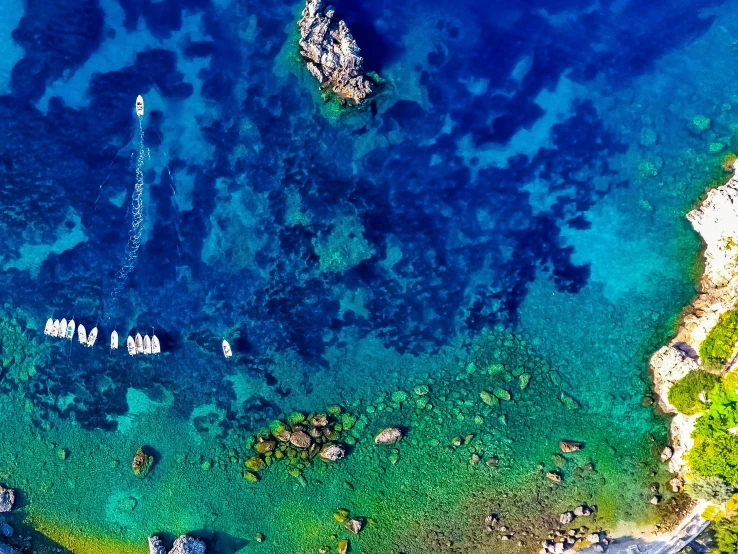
332,53
716,220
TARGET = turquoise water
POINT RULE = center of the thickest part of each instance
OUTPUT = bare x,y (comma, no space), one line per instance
515,196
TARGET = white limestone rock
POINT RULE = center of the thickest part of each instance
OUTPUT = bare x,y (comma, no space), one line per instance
7,498
332,53
156,546
187,545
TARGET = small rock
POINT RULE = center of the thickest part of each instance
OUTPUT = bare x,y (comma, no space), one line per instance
676,484
332,452
265,446
655,499
7,498
666,453
570,446
301,439
260,537
354,525
319,420
566,518
593,538
343,547
389,435
142,463
582,511
554,476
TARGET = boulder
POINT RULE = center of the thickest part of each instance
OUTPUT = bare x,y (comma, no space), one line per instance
554,476
388,435
187,545
354,525
570,446
156,546
666,454
582,511
301,439
566,518
142,463
332,452
331,53
7,498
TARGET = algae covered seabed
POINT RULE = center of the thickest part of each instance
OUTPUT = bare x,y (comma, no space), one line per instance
503,224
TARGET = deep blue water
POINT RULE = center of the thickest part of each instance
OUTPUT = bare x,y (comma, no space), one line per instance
487,178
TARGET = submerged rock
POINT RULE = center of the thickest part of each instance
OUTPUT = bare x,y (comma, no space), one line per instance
389,435
354,525
7,498
6,549
570,446
332,452
332,53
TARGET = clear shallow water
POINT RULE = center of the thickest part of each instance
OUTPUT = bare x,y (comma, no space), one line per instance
498,184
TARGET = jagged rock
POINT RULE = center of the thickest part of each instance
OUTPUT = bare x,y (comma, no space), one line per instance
582,511
7,498
676,484
566,518
332,53
666,454
570,446
301,439
554,476
156,546
389,435
593,538
332,452
187,545
354,525
142,463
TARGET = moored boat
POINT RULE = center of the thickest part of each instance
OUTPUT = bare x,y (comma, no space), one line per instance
114,340
62,328
155,347
55,329
131,344
49,329
227,349
139,344
70,330
147,345
92,337
82,334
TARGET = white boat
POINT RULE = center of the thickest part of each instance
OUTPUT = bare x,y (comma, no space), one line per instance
49,329
139,106
55,329
155,347
92,337
82,334
139,344
227,349
62,328
131,344
114,340
147,345
70,330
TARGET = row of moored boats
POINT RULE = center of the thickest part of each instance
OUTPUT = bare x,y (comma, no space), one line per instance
136,345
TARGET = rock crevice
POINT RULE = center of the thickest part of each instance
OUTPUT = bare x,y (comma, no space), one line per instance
332,53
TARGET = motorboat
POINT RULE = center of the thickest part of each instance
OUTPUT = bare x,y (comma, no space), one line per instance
114,340
139,106
82,334
70,330
227,349
49,329
92,337
62,328
139,344
155,347
147,345
131,345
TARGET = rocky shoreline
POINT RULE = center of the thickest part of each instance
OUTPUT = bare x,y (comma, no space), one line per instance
716,220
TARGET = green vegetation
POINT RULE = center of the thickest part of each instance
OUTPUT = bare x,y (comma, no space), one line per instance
712,488
726,535
685,393
719,345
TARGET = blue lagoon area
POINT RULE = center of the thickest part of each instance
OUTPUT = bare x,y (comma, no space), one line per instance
483,257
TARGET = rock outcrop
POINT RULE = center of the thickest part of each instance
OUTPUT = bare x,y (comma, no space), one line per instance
7,498
332,53
716,220
388,435
182,545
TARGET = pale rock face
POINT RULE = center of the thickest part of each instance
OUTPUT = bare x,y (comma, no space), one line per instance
332,53
7,498
182,545
155,546
716,220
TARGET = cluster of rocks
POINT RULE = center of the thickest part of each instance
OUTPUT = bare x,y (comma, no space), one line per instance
182,545
716,220
142,462
299,441
565,540
580,511
332,53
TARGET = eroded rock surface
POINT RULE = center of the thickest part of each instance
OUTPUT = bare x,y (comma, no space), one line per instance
332,53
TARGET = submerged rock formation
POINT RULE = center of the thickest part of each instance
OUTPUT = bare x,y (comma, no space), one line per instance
332,53
716,220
